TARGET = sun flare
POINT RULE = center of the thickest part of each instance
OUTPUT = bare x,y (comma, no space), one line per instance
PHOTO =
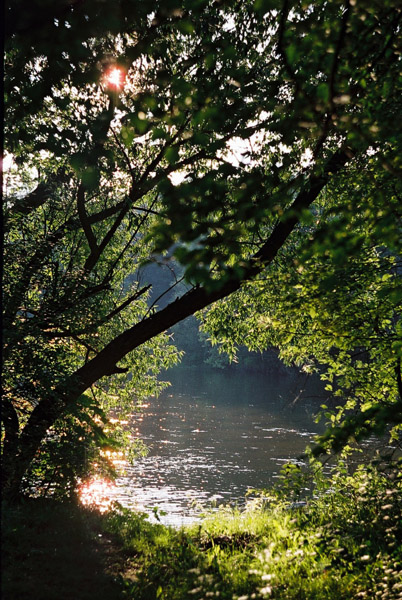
115,77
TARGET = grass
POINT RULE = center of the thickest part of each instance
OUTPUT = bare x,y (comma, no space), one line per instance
346,543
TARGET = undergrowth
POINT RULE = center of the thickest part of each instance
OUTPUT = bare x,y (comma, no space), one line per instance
346,542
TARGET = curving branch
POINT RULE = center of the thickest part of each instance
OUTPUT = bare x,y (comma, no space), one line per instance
105,362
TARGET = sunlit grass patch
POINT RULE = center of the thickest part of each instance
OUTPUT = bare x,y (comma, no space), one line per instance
345,542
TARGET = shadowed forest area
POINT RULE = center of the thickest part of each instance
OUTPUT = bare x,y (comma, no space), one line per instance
204,182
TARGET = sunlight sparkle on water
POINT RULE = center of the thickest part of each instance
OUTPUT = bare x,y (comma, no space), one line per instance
97,492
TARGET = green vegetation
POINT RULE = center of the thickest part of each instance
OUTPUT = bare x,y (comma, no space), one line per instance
197,350
346,542
257,144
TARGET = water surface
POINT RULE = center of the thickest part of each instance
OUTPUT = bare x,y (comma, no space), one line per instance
215,434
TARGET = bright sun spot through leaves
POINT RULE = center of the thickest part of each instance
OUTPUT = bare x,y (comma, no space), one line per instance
115,77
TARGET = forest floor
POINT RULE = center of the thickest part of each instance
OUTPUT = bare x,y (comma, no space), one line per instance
57,551
345,543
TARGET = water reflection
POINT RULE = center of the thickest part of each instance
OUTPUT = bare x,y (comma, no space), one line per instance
97,492
214,435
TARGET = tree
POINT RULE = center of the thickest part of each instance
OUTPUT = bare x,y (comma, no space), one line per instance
332,304
227,136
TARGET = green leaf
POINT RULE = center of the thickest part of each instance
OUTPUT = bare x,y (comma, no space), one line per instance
172,154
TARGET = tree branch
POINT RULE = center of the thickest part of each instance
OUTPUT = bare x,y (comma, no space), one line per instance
104,363
129,300
84,219
199,297
399,378
281,49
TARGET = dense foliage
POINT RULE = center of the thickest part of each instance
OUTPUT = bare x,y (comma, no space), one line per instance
332,304
256,143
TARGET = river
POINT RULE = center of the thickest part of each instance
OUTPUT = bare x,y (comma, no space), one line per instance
213,435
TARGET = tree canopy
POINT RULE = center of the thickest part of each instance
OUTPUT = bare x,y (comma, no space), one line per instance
256,144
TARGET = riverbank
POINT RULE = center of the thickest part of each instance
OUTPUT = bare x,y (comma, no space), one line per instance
344,544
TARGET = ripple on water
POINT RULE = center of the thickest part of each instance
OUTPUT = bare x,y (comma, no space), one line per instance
198,443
